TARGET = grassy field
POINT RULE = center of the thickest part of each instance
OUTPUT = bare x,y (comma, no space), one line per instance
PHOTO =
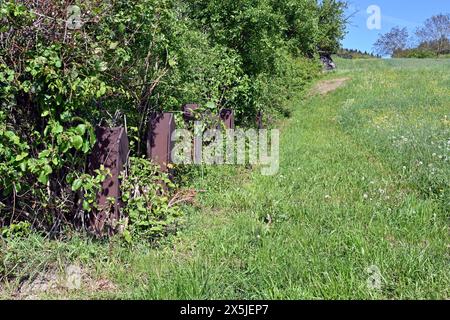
363,187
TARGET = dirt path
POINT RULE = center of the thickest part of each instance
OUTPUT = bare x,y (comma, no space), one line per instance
327,86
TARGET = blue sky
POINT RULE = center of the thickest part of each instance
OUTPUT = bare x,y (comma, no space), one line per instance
405,13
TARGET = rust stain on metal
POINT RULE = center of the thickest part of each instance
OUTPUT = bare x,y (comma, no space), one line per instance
159,139
111,150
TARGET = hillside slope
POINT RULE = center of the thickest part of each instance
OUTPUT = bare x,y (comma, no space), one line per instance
359,210
363,188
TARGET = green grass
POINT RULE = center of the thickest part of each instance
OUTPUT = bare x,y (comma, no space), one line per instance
364,181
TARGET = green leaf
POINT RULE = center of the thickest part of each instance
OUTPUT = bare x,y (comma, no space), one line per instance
92,137
211,105
172,63
81,129
65,115
47,170
86,206
43,178
77,142
18,187
21,156
77,184
23,166
86,147
44,154
64,147
127,236
57,128
113,45
101,91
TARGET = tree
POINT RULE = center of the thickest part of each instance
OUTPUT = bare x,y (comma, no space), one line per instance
435,33
394,40
332,25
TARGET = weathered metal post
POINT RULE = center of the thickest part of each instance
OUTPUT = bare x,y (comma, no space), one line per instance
159,139
111,150
227,117
259,120
190,119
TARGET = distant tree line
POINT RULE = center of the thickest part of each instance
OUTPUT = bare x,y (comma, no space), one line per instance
430,40
356,54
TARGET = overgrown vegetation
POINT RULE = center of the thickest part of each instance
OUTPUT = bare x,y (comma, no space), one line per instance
68,66
149,212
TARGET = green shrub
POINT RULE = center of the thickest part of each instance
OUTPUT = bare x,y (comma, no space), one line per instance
146,202
418,53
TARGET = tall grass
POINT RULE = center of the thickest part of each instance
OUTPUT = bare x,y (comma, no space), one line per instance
401,110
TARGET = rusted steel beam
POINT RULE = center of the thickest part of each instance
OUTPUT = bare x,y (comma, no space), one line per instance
111,150
159,139
259,120
227,117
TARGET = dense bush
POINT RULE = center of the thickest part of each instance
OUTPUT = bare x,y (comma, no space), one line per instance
418,53
66,69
